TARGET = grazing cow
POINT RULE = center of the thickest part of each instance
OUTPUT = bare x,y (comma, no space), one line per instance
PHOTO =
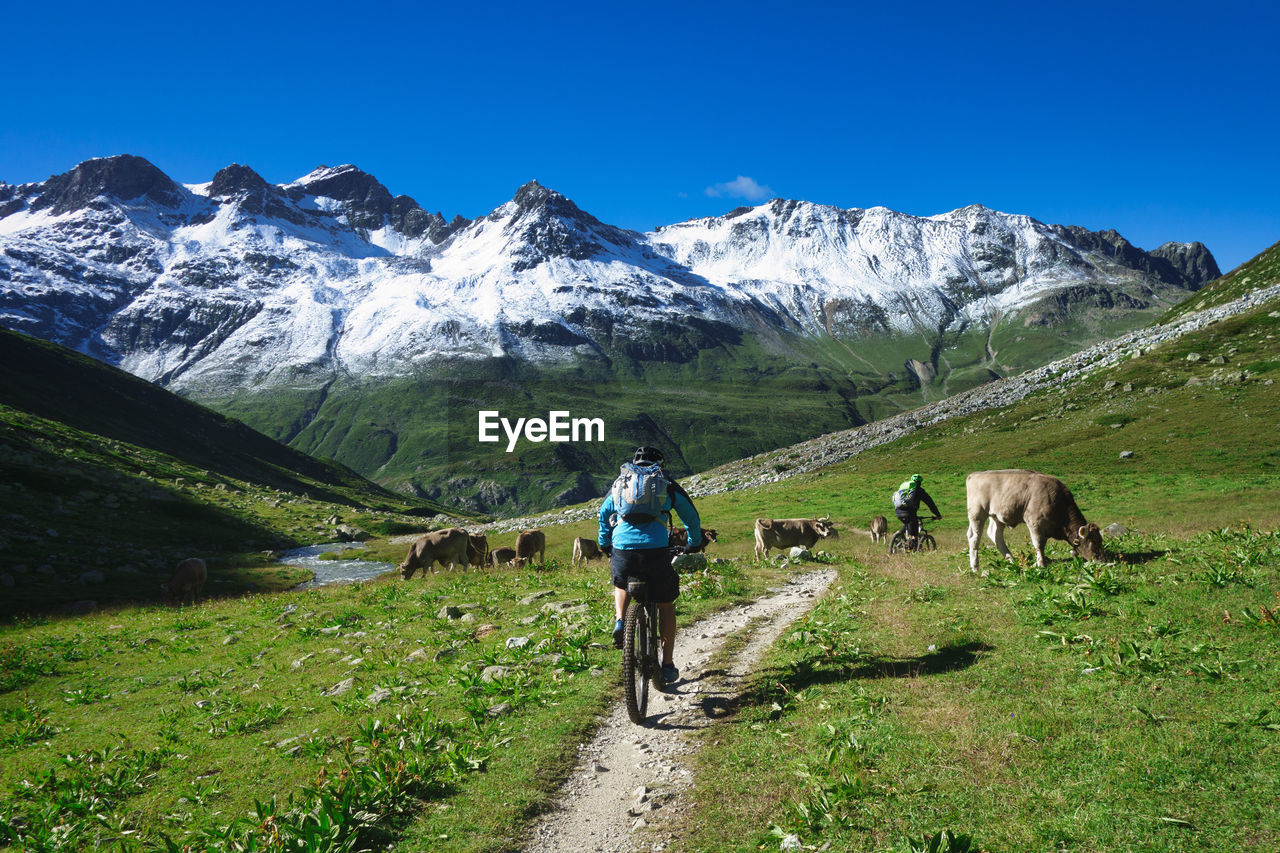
528,543
791,532
681,537
189,576
585,549
448,547
879,529
1011,497
502,556
477,549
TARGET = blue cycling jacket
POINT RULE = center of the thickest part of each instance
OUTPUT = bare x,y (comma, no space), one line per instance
630,537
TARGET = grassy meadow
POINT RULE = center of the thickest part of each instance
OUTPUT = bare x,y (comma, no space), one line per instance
1083,707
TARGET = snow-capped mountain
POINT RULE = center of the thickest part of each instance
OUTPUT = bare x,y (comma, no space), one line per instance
240,283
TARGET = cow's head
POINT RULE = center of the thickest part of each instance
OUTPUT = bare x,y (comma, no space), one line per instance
825,528
407,568
1088,543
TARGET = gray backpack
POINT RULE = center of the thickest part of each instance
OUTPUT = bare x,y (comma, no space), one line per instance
639,493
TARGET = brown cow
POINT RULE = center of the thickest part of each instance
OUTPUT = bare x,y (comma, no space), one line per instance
448,547
477,549
1013,496
791,532
681,537
528,543
189,576
502,556
879,529
585,549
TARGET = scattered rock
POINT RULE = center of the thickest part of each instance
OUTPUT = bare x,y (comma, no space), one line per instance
1218,359
348,533
1115,530
1126,454
1193,356
485,630
530,599
493,673
92,576
517,642
378,695
341,687
500,710
801,554
417,655
449,611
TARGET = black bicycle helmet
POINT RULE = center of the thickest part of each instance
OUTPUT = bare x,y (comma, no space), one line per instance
648,456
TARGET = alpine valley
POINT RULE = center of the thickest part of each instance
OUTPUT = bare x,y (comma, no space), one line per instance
354,324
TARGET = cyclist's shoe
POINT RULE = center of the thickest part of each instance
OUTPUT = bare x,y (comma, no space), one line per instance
617,634
669,673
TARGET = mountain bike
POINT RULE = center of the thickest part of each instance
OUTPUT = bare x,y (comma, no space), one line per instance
641,647
902,544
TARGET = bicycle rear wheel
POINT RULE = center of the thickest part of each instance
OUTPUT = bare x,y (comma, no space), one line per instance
635,661
927,543
898,545
653,659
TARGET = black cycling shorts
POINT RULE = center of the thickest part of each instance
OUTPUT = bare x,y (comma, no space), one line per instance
652,565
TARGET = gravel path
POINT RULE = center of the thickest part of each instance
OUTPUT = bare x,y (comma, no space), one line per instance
630,780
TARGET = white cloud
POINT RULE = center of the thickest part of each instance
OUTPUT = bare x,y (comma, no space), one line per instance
742,187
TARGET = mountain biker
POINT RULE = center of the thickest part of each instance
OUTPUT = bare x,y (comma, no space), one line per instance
636,544
906,504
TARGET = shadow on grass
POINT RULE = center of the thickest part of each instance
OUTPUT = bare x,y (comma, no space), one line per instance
1135,558
776,684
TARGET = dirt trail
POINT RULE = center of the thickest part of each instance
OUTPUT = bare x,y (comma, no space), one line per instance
630,780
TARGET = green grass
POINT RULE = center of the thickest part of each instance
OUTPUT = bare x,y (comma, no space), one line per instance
219,725
1127,707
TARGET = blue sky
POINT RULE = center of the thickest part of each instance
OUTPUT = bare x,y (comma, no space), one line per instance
1158,120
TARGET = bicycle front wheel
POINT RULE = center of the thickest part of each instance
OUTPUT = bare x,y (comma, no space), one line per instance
635,664
898,545
928,543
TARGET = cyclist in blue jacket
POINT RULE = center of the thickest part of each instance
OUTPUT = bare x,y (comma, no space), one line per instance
636,543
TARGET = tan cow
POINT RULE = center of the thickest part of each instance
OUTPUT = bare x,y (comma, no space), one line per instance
502,556
528,543
681,537
477,549
447,547
585,549
1011,497
791,532
879,529
189,576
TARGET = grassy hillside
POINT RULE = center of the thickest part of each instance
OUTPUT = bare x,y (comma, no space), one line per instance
1119,707
105,474
419,434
